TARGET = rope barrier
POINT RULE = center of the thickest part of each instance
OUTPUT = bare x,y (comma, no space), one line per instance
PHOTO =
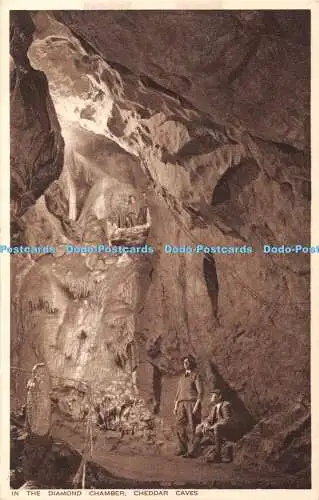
53,376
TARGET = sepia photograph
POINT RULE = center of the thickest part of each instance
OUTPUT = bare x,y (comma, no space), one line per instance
160,245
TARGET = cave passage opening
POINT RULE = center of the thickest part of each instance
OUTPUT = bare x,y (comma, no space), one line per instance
234,180
211,280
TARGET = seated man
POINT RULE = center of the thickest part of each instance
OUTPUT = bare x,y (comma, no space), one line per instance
218,426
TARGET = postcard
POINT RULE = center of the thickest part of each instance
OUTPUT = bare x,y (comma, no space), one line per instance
158,249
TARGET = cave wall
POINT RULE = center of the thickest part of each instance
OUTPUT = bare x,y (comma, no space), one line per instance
36,143
217,137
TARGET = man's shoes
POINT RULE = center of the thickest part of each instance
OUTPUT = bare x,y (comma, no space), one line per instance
216,459
181,453
189,455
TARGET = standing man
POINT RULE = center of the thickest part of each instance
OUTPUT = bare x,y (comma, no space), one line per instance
121,214
219,425
131,217
143,214
187,404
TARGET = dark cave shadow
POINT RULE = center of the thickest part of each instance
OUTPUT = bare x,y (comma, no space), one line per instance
245,419
157,389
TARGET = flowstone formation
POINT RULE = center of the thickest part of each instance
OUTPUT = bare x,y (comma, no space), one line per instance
216,139
78,313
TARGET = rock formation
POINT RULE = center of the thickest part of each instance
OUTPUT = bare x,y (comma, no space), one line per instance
207,113
36,152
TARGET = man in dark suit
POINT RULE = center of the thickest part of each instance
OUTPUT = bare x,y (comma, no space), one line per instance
218,426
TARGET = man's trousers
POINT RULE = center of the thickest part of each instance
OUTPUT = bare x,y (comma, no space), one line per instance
186,423
218,433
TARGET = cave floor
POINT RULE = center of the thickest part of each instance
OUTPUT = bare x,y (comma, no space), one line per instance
163,471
